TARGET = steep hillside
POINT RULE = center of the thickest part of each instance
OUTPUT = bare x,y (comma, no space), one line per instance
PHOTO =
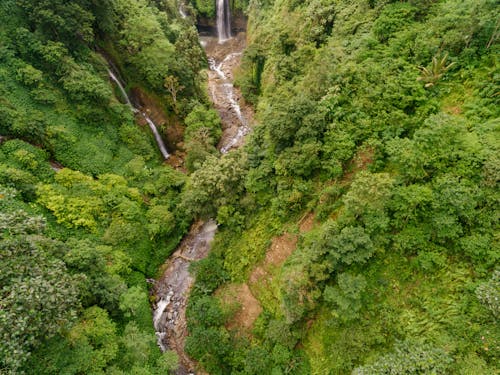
381,119
88,209
357,228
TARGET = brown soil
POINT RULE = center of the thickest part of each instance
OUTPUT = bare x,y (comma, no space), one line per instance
306,223
281,248
454,110
246,307
360,162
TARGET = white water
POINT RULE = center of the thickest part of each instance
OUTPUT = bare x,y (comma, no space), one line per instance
181,11
223,20
228,90
172,289
158,316
152,125
162,305
115,79
159,141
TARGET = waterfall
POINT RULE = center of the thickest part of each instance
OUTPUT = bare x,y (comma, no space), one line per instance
223,20
115,79
182,12
152,125
159,141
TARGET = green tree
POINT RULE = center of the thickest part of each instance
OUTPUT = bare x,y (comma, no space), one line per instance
39,297
219,182
160,221
346,296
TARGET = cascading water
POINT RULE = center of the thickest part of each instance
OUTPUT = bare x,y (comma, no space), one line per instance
182,12
172,291
115,79
151,124
228,93
223,20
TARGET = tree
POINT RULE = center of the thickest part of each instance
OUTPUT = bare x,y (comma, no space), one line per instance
93,342
346,297
206,311
219,182
168,362
209,346
160,221
38,296
437,70
138,346
172,85
60,20
489,293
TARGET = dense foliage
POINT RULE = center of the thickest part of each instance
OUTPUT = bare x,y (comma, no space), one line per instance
380,118
87,211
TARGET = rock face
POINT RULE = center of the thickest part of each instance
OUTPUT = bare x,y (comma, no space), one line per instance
169,125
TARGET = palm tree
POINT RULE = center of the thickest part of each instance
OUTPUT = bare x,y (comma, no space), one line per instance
437,70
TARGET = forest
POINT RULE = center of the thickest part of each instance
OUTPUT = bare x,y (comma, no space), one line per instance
357,226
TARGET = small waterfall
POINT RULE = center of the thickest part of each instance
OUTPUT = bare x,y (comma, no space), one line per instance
152,125
172,289
159,141
159,320
115,79
182,12
223,20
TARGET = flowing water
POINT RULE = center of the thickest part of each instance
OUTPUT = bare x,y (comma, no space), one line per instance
223,20
172,291
235,116
151,124
182,12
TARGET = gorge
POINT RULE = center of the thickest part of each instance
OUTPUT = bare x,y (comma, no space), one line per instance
171,290
326,203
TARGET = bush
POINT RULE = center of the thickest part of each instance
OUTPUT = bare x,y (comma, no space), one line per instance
409,359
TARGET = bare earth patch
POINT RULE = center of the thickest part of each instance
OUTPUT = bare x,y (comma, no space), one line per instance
247,307
306,223
281,248
240,297
359,162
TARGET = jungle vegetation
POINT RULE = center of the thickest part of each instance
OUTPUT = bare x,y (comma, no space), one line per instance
378,118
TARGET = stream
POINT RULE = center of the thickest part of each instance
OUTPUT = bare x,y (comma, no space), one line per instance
172,292
236,116
172,289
